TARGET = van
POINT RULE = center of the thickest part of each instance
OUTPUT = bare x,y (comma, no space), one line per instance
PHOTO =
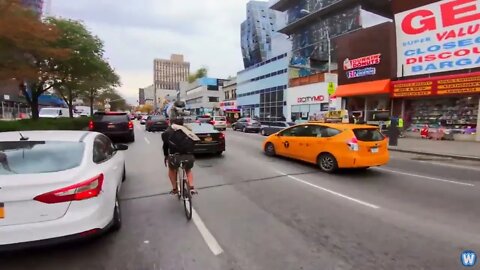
53,113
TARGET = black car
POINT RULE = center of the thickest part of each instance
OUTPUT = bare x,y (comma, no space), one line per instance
211,141
247,125
156,123
113,124
274,127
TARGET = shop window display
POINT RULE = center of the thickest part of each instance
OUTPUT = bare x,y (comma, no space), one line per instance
451,115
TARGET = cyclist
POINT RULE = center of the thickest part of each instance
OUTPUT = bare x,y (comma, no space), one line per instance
178,142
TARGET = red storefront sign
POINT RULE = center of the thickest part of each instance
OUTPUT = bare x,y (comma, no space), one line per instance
438,86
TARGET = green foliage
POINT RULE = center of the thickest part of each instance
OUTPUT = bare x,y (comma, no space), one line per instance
200,73
45,124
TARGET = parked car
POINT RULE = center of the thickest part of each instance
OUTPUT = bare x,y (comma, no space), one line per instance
156,123
247,125
212,140
58,186
204,119
53,113
113,124
331,146
274,127
219,122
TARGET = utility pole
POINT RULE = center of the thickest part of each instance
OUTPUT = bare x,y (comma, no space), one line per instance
155,101
329,44
48,8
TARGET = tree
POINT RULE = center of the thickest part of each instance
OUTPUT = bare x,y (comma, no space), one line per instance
27,51
103,79
85,70
200,73
117,102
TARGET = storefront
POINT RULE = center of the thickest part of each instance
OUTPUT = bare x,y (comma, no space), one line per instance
230,110
364,82
438,68
307,101
448,102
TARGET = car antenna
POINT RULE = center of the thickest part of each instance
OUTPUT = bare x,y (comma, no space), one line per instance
22,138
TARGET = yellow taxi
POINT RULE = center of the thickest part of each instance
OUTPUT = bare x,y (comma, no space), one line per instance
331,146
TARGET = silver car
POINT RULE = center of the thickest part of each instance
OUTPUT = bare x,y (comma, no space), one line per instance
219,122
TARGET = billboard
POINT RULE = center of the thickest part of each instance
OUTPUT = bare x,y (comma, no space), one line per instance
372,58
439,37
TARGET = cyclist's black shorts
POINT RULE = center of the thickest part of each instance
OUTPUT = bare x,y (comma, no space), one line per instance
174,161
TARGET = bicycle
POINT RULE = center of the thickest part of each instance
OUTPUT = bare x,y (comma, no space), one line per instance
183,190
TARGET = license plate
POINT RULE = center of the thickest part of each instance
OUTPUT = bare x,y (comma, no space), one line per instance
374,150
111,126
2,210
208,139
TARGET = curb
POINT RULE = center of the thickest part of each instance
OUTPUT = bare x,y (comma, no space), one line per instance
436,154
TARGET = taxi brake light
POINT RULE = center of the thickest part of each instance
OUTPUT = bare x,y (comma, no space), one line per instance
353,144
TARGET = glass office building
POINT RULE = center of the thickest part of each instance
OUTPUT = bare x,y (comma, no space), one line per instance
261,89
311,24
257,32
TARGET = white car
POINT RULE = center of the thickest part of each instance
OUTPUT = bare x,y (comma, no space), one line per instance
143,120
57,186
219,122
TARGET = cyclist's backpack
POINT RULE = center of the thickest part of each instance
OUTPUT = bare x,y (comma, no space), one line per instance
180,143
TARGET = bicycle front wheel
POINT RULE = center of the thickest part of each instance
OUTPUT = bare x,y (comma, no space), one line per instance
187,199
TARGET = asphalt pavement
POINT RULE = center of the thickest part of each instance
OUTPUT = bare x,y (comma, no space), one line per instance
255,212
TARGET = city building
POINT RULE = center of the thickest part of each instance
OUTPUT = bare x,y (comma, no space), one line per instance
258,33
307,101
202,96
366,71
141,96
229,102
168,73
311,24
442,92
261,89
35,5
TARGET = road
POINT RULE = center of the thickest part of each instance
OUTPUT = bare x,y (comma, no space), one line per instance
255,212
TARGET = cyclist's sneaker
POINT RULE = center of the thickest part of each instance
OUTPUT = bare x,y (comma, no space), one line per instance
193,191
174,192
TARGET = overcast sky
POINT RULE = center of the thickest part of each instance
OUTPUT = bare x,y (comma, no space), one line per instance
206,32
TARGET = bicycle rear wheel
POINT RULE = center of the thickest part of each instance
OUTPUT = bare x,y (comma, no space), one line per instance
179,181
187,198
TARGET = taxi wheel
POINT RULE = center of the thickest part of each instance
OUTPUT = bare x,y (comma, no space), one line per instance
327,163
270,150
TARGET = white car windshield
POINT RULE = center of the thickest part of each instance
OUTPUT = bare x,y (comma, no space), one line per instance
39,156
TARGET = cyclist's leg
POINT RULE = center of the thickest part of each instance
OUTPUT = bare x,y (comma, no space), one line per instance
190,160
172,172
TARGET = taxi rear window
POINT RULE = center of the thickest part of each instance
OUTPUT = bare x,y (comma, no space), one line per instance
368,134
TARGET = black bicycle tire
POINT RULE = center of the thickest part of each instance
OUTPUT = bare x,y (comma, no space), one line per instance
179,187
187,196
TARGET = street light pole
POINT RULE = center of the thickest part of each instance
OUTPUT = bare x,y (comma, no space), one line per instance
329,49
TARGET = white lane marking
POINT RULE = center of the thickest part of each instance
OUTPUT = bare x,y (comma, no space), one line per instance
330,191
146,140
426,177
466,167
207,236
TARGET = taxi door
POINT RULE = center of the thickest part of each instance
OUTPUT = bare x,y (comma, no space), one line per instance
288,142
319,140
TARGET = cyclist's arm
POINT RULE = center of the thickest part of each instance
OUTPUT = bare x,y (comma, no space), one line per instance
165,143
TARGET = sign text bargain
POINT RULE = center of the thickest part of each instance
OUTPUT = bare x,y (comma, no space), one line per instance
438,37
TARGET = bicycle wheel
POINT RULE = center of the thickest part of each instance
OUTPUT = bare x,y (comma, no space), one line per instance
179,180
187,197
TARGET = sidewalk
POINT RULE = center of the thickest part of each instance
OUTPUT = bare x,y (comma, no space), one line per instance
454,149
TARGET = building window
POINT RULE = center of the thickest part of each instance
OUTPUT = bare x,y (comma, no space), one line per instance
212,99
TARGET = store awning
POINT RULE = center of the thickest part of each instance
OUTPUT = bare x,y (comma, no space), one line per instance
379,87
